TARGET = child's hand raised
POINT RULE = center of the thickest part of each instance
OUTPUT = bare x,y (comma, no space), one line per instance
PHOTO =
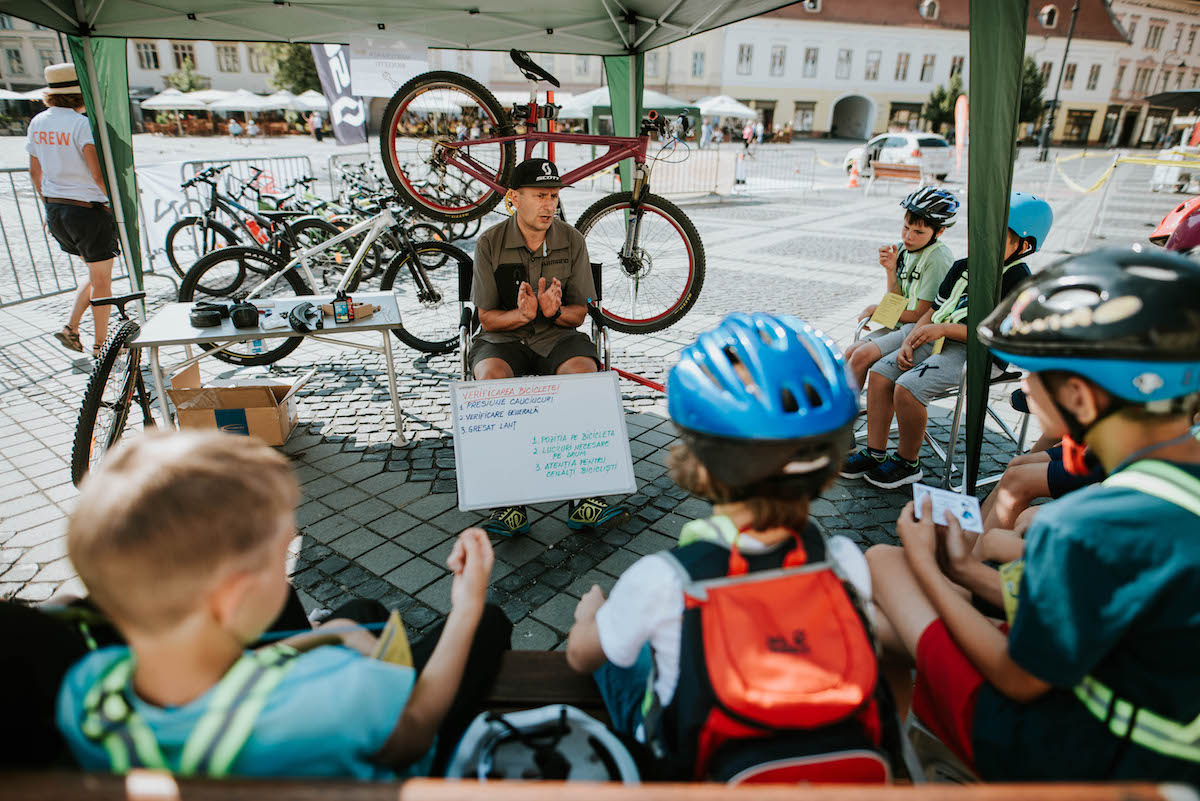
887,257
471,563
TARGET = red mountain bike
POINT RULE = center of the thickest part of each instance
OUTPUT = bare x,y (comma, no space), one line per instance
449,149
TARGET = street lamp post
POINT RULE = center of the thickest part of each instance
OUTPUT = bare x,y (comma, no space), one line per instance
1044,147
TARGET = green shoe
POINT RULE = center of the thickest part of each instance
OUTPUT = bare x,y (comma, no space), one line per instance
507,521
596,513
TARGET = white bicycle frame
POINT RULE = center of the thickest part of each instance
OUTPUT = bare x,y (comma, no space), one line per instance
375,227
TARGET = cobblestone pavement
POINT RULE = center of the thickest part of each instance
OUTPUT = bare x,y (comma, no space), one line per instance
378,521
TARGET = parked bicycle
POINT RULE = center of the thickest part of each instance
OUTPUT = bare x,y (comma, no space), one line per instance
229,221
114,386
423,276
652,256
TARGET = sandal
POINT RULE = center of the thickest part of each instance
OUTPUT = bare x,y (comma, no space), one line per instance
69,339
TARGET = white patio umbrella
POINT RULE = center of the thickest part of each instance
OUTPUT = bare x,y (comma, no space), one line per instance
285,101
725,106
241,100
312,100
8,94
209,95
173,100
35,94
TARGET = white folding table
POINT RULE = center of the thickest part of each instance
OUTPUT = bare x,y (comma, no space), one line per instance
171,326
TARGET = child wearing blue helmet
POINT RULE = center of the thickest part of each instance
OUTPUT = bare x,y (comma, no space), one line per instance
930,360
1094,676
765,406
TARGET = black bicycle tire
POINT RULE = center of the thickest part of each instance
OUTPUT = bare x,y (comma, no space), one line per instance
325,226
231,238
465,230
691,291
452,304
93,394
187,289
387,141
439,236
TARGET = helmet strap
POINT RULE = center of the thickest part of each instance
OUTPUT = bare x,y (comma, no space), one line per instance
1073,456
1074,445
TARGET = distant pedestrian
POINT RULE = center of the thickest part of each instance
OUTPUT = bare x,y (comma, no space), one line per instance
758,131
235,130
316,124
251,129
747,135
65,171
706,133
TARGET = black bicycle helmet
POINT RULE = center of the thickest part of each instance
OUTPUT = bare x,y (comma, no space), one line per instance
1127,320
932,203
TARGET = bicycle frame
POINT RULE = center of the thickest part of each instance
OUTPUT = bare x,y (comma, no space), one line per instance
374,227
619,149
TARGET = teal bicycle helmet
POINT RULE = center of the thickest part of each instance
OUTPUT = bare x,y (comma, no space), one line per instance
1030,218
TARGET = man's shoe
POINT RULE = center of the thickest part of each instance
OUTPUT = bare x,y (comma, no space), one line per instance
596,513
507,522
859,463
895,472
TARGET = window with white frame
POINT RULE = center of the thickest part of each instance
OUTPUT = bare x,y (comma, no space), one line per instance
802,122
1191,40
810,61
46,57
147,55
6,22
745,59
927,67
1178,37
871,73
1047,68
1093,78
1154,36
1133,23
1141,80
844,59
697,63
956,65
778,56
1069,77
583,65
652,65
14,60
1195,79
256,59
1179,80
902,67
228,58
1120,79
183,51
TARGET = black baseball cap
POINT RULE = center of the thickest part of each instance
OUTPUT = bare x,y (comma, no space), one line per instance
535,172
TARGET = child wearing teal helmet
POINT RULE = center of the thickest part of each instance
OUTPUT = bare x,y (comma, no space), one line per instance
1094,676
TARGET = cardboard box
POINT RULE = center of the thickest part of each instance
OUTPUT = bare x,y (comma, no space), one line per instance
252,407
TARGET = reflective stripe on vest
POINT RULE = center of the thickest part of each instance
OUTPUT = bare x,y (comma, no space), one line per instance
911,278
951,311
218,738
1161,735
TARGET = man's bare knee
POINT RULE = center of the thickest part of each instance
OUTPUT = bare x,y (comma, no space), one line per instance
492,370
576,365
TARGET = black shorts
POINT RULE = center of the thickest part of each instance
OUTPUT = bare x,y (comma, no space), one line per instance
1061,482
524,360
89,233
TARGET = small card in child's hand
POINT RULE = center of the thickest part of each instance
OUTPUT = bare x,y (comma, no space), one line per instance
393,643
887,313
947,503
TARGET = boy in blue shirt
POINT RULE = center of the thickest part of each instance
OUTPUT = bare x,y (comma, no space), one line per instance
182,541
1095,677
931,357
915,270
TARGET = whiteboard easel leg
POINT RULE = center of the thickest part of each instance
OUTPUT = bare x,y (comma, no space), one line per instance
391,376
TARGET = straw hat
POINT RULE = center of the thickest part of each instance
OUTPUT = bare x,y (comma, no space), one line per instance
62,80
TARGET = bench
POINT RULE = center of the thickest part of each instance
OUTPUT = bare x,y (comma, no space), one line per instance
530,679
882,171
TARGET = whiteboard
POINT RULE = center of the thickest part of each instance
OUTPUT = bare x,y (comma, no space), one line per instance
540,438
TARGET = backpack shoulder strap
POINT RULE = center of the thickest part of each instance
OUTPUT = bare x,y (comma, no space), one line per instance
110,720
1162,480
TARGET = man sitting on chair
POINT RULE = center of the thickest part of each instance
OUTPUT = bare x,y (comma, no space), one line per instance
531,286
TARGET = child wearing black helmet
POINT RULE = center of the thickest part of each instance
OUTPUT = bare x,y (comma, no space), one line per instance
1095,677
765,407
914,270
930,359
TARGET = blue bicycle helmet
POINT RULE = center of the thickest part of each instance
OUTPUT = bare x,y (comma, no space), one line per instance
1127,320
932,203
789,414
1030,218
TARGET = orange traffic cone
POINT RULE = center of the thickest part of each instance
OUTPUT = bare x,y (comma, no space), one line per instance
853,176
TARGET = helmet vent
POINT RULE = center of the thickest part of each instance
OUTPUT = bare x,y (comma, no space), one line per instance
788,400
814,397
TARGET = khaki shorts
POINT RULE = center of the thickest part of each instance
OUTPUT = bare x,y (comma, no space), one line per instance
524,360
932,375
888,339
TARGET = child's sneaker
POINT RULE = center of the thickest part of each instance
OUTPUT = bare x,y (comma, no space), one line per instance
861,462
895,472
507,522
595,513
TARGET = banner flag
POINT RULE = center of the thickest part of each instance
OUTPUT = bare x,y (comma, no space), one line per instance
346,112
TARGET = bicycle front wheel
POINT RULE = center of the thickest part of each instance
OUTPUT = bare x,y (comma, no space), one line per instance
104,415
660,280
237,271
425,283
432,117
331,264
192,237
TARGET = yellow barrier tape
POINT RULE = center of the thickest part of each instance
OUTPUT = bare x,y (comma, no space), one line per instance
1086,190
1083,154
825,163
1153,162
1144,160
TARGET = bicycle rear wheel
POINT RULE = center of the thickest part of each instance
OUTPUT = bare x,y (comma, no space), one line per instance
661,280
104,414
222,274
192,237
425,282
331,264
426,119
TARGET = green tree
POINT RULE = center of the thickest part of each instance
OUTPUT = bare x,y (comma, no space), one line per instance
186,79
939,109
1033,83
292,67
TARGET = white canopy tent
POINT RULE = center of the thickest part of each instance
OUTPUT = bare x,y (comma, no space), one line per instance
209,95
283,100
8,94
584,105
312,100
241,100
174,100
725,106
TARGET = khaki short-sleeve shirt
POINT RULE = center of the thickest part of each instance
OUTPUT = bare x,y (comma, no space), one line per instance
502,262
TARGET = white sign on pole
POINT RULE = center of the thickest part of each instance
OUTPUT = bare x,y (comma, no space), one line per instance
530,440
381,65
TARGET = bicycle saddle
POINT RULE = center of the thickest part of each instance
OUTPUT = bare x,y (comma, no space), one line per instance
118,300
531,70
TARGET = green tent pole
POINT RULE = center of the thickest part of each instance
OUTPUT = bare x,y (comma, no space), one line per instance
103,133
997,56
626,80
